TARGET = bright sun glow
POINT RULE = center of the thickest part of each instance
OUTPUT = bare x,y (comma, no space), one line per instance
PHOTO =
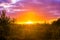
29,22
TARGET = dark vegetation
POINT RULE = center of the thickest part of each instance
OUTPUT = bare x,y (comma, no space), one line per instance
11,31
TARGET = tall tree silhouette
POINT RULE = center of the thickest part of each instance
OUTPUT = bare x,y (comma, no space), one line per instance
4,25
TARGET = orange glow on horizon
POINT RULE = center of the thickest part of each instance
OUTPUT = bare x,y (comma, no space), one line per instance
29,15
33,16
35,22
31,22
28,22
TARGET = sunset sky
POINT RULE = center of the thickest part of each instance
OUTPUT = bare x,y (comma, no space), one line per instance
31,10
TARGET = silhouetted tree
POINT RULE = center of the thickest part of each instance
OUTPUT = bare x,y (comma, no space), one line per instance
4,25
56,23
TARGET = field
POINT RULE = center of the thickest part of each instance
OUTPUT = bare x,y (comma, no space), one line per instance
34,32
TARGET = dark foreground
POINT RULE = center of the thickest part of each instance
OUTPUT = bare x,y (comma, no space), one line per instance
34,32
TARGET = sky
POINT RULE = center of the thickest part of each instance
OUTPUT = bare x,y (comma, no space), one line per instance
31,10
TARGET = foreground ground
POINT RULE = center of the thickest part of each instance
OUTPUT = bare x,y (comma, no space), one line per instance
34,32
